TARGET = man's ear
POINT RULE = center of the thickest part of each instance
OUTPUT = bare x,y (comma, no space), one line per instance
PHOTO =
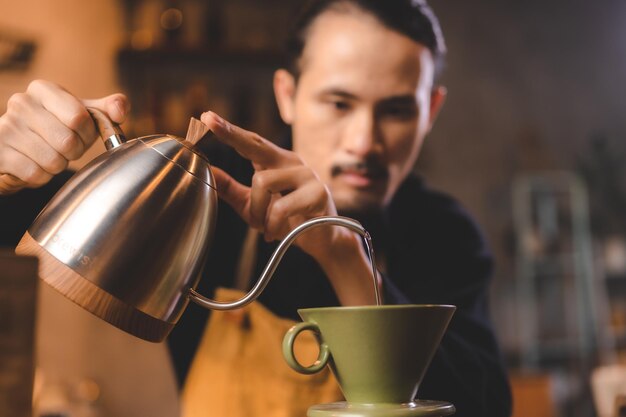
285,91
437,98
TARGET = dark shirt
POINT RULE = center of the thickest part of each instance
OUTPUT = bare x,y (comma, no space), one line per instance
434,254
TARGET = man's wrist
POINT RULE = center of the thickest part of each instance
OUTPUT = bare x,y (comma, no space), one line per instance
349,270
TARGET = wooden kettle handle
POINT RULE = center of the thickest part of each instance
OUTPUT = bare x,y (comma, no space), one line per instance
111,133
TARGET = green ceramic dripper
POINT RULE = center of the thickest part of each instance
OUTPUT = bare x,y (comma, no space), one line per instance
378,354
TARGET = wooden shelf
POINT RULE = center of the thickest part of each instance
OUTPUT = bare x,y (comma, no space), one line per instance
182,56
223,60
168,85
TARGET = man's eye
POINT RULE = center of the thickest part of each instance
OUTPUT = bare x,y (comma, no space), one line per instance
340,105
400,111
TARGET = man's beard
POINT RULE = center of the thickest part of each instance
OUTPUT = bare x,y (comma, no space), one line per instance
357,203
359,206
370,167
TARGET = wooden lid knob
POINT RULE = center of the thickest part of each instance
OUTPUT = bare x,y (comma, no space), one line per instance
196,131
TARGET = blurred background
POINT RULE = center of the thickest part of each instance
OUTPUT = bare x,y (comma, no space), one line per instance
532,140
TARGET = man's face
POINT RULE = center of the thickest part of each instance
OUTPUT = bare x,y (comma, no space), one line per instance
361,107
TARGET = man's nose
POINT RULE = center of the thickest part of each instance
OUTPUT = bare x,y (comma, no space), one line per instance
362,136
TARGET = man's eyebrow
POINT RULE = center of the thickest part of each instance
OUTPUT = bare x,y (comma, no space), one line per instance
403,99
337,92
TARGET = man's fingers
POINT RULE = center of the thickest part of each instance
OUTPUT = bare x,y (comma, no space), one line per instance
235,194
260,198
10,184
308,201
52,133
68,109
23,168
72,112
116,106
283,187
41,152
45,127
271,182
248,144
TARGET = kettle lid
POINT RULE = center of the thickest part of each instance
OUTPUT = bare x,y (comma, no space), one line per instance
178,151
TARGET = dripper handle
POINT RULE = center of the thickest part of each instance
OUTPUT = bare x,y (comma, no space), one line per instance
288,349
272,264
110,132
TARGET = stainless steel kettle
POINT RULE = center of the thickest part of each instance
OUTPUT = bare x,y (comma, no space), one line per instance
126,237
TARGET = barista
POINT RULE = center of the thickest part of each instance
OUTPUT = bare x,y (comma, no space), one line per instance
360,95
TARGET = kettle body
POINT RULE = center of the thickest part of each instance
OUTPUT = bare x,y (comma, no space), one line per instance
132,226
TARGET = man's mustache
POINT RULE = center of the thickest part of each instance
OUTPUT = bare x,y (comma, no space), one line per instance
369,168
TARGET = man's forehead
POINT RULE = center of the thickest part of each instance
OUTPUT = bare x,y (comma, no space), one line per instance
350,24
361,54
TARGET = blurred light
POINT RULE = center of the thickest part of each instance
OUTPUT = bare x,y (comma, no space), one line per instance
171,19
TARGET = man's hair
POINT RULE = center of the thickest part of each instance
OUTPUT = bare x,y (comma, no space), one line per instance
412,18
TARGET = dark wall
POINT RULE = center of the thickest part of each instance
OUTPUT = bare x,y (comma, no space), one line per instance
529,83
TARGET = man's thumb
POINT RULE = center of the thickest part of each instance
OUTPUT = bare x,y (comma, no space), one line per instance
235,194
116,106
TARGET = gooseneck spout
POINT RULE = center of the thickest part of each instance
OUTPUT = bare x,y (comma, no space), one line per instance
272,264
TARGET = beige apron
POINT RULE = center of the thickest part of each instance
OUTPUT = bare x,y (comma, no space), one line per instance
239,370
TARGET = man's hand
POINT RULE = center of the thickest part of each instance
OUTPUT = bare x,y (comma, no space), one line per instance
284,193
43,129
